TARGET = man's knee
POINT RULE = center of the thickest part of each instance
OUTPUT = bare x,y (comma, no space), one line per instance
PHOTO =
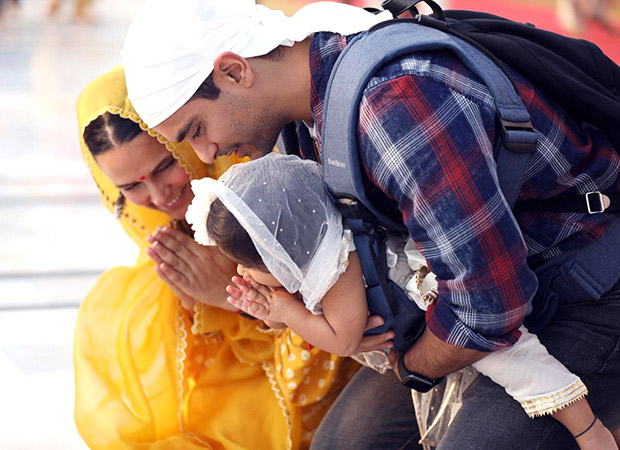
373,411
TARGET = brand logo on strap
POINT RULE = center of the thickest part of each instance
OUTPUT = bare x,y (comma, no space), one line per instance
336,163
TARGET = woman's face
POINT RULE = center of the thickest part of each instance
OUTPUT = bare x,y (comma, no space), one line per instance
148,175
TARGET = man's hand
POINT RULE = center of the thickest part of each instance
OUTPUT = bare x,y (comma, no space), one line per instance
194,272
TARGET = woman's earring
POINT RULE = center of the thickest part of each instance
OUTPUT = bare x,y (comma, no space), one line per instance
119,205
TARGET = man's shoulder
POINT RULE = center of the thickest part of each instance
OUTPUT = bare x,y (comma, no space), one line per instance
437,70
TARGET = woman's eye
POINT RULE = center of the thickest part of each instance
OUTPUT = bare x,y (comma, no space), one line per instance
129,188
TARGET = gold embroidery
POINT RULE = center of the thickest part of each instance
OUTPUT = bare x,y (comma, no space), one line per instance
268,368
549,404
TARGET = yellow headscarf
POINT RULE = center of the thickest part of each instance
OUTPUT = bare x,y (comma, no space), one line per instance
109,94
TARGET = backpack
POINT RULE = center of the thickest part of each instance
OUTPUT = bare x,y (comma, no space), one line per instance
484,43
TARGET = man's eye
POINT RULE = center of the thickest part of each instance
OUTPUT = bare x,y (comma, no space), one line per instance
196,134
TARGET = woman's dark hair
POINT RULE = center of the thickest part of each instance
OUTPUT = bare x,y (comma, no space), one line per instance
231,237
108,131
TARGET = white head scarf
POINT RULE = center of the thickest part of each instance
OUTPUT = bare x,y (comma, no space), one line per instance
282,203
171,44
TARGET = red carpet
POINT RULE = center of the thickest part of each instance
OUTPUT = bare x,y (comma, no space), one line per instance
544,17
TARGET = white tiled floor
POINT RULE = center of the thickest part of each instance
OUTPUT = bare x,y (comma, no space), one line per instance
36,411
55,236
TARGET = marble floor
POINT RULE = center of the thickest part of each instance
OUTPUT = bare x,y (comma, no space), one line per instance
55,235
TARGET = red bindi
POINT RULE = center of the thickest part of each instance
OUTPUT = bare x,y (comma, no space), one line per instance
142,178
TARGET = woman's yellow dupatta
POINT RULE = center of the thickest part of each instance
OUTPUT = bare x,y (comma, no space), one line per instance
137,363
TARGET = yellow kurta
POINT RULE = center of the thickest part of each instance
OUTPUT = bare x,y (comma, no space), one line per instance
150,376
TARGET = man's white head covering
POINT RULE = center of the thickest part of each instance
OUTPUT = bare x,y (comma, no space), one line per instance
171,44
282,203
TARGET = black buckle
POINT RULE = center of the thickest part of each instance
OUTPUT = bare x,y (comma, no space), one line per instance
352,208
594,202
517,147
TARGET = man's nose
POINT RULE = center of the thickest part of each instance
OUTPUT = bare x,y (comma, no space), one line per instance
206,150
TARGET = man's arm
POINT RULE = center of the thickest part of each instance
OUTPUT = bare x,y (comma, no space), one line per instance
429,146
433,358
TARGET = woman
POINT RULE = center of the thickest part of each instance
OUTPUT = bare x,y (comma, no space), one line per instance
158,362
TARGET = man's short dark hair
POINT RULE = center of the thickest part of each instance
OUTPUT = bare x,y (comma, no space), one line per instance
209,91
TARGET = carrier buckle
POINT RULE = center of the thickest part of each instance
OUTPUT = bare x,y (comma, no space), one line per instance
518,137
595,202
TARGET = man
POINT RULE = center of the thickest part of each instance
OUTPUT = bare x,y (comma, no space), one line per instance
228,77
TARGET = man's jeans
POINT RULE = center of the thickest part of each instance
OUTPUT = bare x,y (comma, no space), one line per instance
585,336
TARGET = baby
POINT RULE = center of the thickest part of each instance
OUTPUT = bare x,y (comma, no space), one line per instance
273,216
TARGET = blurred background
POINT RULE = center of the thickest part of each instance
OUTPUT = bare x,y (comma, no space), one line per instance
55,235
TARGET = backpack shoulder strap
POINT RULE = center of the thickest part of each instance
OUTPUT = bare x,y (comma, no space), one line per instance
362,57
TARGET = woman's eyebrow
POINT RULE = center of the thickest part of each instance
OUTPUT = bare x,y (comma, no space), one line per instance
126,185
162,163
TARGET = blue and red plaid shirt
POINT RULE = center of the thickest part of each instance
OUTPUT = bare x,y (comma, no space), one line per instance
426,137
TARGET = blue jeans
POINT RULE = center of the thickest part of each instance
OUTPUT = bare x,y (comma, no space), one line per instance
585,336
373,411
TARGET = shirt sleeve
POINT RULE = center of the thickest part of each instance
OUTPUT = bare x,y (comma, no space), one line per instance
428,145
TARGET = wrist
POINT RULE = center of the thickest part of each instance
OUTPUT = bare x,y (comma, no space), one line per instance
414,380
285,307
436,358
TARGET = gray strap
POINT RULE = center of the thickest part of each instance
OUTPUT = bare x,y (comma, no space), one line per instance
364,55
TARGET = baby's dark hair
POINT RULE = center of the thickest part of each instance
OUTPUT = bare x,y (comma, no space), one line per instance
231,237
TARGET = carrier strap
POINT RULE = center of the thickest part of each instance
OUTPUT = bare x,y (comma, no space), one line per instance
371,249
594,269
362,57
589,203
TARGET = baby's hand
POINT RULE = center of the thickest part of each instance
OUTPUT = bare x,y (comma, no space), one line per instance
264,303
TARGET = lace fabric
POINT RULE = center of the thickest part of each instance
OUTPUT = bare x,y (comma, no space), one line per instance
282,203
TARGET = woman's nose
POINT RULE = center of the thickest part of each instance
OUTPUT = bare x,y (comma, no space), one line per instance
160,194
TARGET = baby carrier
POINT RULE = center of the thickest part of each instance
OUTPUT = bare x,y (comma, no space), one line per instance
579,77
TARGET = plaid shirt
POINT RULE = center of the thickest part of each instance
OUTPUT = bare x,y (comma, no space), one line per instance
426,137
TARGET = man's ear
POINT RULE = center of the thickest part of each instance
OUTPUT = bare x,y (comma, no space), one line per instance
232,68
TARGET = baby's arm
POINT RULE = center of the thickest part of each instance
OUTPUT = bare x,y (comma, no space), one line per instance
339,330
543,386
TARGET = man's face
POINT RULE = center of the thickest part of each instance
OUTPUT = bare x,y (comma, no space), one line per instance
223,126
